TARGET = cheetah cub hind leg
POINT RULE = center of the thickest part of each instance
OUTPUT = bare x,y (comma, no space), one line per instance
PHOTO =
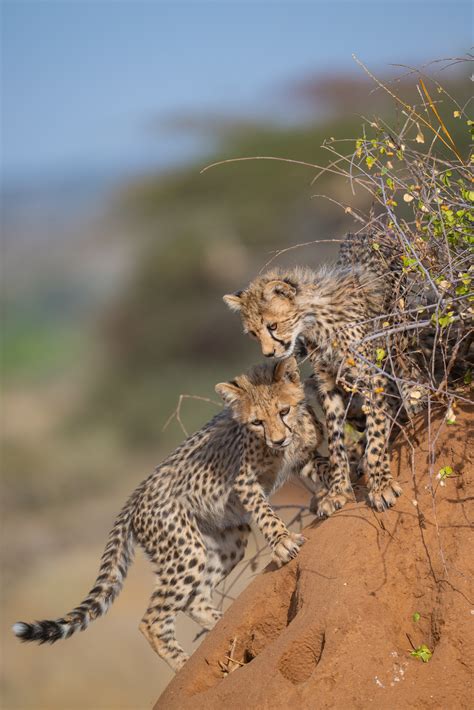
224,549
384,494
383,489
159,631
328,502
203,612
329,495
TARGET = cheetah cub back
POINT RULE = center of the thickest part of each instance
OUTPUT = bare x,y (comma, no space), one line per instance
192,514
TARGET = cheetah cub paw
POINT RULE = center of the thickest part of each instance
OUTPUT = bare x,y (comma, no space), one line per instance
384,496
287,548
325,505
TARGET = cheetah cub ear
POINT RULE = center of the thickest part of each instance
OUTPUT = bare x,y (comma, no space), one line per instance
286,370
229,391
278,288
233,300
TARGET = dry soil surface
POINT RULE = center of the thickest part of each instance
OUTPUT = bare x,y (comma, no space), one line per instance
335,627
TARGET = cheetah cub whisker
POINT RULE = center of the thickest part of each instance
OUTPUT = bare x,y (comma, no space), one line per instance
192,514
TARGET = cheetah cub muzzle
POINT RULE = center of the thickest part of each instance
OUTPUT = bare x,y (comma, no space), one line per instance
192,514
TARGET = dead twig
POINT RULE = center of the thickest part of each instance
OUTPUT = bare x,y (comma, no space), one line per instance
176,414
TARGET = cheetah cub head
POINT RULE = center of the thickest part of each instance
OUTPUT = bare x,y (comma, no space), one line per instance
270,313
267,399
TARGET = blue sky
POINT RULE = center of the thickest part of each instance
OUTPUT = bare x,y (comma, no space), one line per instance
82,81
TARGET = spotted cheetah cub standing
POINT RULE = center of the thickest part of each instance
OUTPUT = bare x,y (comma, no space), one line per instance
331,310
191,514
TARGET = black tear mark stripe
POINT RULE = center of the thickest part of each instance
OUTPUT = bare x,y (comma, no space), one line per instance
277,340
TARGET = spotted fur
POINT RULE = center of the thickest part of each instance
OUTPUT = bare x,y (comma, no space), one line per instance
331,310
192,514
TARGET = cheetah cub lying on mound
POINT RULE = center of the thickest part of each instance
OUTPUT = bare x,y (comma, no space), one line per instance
191,514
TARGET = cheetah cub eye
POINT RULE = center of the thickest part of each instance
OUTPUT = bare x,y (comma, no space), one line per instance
285,411
272,326
256,422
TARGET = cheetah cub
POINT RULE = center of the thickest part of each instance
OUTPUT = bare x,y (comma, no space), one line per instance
332,310
191,514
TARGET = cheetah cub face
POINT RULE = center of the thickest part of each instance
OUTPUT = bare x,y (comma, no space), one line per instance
267,400
269,314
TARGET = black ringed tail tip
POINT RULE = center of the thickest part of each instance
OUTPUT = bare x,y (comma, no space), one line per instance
41,631
23,631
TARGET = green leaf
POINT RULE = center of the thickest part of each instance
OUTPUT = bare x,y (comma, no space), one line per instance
446,320
416,616
410,263
422,652
443,320
445,472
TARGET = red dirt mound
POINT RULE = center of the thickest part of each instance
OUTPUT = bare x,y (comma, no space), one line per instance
335,627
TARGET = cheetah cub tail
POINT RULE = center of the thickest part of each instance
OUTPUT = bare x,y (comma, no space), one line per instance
116,559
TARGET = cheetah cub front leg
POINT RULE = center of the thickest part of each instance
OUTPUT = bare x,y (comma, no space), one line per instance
288,547
284,544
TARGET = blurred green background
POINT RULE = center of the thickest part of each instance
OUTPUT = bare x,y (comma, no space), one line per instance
117,251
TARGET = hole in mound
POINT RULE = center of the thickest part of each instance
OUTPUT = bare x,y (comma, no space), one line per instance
298,662
248,655
294,605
